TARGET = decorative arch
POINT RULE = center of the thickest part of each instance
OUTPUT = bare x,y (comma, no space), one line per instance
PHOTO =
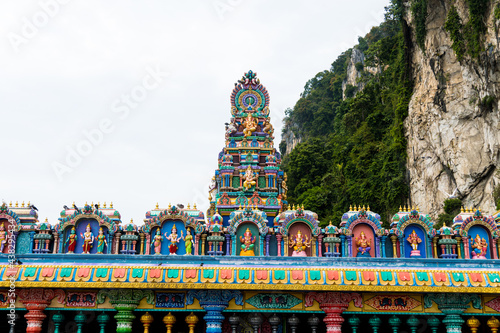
421,220
259,218
363,217
307,219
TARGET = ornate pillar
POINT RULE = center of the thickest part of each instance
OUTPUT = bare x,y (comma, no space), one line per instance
203,239
493,324
169,321
56,242
102,319
394,238
36,300
228,244
382,247
268,238
58,319
125,301
453,305
80,319
142,237
459,250
285,246
313,246
278,241
214,302
495,250
146,320
473,324
465,240
148,244
434,246
333,304
191,320
117,242
320,246
196,244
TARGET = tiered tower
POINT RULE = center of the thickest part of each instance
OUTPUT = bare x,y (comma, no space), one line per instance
249,173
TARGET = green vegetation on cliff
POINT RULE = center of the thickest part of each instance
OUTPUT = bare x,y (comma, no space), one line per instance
353,151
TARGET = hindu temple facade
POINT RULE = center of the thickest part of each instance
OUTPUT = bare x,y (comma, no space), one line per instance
252,263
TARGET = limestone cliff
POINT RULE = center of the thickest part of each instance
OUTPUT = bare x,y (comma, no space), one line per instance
453,124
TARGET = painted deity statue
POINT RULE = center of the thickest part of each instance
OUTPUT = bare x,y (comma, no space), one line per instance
71,241
250,125
414,240
249,179
157,241
479,248
364,245
247,244
174,240
88,239
188,241
3,237
299,243
268,127
101,241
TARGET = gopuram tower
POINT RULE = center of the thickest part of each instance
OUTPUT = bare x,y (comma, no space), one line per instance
249,179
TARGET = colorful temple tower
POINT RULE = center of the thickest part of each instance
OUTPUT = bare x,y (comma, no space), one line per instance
253,264
249,173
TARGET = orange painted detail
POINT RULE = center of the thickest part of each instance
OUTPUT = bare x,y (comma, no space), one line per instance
47,271
261,275
298,275
369,276
332,275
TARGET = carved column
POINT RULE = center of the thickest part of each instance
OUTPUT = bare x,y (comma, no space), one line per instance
142,236
228,244
36,300
453,305
333,304
191,320
459,250
313,246
56,242
117,242
125,301
465,240
268,238
394,239
434,245
203,239
214,302
320,246
196,244
495,250
278,241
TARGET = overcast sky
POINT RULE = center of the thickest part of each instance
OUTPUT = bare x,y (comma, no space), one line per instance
126,101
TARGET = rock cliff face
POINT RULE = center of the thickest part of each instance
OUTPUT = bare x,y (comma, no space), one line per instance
453,134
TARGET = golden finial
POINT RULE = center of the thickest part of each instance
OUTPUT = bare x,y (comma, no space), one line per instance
104,204
364,207
99,204
111,204
92,204
330,222
17,205
480,209
86,203
46,220
10,204
156,206
189,206
350,208
29,204
473,324
302,206
493,323
131,221
169,205
194,206
462,209
22,205
400,208
412,207
418,209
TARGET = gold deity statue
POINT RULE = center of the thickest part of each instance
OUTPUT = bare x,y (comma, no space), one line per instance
250,125
249,179
247,244
299,243
364,245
